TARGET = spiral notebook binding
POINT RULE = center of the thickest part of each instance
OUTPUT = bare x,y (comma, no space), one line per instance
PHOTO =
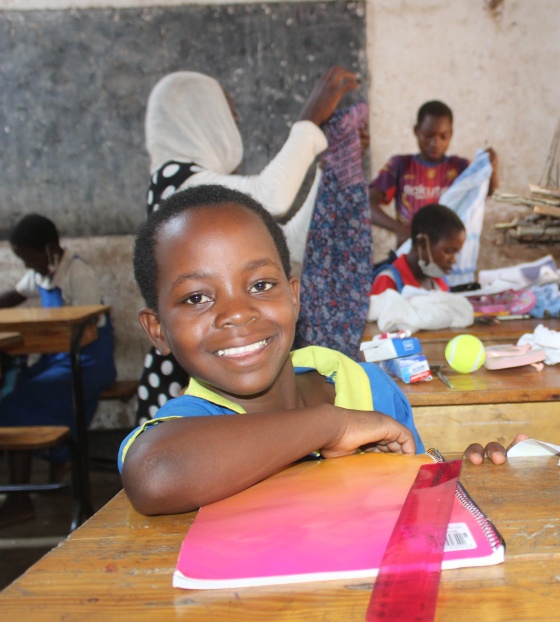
493,536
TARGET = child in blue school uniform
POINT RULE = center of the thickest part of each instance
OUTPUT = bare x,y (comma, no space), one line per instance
214,270
42,394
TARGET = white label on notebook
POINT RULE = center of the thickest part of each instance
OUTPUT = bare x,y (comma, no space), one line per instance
458,538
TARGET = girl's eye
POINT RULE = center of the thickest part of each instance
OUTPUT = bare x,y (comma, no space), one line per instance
197,299
261,286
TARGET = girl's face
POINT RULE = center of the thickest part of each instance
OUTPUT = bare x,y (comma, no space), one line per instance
433,136
33,259
226,309
443,252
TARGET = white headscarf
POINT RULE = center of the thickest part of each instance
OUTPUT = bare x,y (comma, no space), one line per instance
188,119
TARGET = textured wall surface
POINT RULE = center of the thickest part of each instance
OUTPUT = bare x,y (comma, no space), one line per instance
73,94
495,62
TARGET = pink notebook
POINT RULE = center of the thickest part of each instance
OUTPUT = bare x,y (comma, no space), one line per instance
329,519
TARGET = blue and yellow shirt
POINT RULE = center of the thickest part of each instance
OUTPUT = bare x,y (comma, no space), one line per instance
358,386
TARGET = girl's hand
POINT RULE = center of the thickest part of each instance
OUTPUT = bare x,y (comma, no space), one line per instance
371,432
327,93
494,451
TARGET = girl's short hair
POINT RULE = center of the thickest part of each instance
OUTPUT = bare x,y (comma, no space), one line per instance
198,197
34,231
436,221
434,108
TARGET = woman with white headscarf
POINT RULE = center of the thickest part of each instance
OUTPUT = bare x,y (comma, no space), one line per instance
192,139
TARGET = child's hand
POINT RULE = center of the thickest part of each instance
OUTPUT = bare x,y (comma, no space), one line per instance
370,431
327,93
494,451
493,157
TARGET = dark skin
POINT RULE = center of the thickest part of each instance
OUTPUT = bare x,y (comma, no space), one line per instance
433,135
443,252
33,259
227,311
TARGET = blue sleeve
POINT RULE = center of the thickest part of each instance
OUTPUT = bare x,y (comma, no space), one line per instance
390,400
182,406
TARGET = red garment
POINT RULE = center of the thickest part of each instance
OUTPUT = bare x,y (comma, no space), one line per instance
385,281
413,183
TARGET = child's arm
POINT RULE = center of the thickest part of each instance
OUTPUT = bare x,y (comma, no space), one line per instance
381,219
184,463
494,451
493,185
11,298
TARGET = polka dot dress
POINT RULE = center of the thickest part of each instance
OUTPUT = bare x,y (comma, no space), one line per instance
162,377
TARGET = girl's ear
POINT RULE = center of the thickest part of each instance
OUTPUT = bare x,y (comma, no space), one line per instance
152,327
295,288
421,241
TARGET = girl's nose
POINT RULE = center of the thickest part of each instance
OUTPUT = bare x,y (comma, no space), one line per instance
235,311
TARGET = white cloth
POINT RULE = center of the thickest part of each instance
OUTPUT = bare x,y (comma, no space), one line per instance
189,120
467,198
73,276
543,338
417,309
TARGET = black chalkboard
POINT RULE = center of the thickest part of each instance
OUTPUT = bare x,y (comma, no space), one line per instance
74,85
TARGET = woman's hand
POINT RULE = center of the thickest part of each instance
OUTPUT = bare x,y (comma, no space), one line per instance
371,432
494,451
327,93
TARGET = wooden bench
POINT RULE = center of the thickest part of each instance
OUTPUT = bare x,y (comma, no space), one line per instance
32,438
122,390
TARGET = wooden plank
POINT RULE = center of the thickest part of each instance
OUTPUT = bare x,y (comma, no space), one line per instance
119,564
452,428
547,210
32,437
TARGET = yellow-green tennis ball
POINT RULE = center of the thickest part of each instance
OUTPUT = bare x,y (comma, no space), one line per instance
465,353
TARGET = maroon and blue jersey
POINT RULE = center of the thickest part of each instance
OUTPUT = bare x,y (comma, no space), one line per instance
413,183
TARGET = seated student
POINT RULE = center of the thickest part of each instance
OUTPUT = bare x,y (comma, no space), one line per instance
227,310
438,234
416,180
42,394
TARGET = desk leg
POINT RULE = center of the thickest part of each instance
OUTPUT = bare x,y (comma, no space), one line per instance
82,503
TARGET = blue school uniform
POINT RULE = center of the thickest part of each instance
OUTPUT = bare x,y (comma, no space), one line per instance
358,386
43,391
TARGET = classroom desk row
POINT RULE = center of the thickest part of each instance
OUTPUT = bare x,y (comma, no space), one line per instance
505,331
119,565
38,330
485,405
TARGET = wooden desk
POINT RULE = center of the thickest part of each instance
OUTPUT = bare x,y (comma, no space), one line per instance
9,339
60,329
508,330
119,565
485,405
51,329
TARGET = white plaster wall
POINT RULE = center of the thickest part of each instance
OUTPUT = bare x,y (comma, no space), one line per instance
497,69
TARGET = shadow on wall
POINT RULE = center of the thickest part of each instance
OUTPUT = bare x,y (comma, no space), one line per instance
111,258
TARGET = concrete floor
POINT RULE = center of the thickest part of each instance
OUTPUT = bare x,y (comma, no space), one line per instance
22,545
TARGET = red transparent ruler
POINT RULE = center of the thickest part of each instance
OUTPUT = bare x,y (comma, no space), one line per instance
407,585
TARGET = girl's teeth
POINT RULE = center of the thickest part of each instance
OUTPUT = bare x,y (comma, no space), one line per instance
243,349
